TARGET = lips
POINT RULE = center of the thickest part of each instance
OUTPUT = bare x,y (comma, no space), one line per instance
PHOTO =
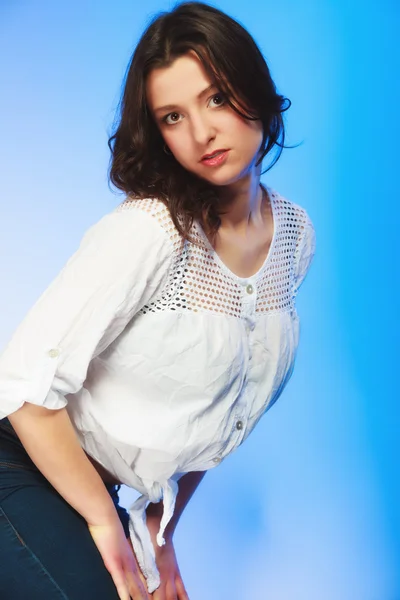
213,154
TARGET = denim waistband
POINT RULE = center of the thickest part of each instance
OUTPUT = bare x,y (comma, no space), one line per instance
7,429
5,424
12,450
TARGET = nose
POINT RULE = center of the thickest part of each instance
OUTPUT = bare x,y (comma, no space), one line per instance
202,129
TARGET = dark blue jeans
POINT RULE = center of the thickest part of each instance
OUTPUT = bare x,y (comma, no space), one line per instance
46,550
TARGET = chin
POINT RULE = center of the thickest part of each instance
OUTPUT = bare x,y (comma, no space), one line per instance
221,176
223,181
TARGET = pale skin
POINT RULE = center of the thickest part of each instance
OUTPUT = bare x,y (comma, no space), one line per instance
172,586
193,121
197,122
50,440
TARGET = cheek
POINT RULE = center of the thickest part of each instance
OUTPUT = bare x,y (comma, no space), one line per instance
250,133
179,145
177,139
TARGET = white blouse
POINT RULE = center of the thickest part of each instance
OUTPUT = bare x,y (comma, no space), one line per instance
164,358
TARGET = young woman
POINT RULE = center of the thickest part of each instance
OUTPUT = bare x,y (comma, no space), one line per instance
166,336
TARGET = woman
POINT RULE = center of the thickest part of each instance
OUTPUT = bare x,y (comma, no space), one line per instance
167,335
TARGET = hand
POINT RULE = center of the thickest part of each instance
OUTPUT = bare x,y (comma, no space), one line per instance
171,587
119,560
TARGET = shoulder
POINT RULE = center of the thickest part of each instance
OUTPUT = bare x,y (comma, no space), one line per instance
133,223
291,216
297,237
151,206
152,212
130,236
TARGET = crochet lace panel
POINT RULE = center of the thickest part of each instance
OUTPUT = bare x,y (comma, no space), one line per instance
198,283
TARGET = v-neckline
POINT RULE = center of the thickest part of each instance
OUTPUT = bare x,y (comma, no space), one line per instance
221,263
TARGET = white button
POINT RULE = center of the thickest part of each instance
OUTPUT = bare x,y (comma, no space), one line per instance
54,352
239,425
249,289
217,459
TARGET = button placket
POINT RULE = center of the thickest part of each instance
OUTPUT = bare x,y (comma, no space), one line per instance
239,429
250,324
249,299
236,435
239,420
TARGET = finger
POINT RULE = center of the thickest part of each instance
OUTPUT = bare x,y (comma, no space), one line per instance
137,589
143,580
159,593
165,592
138,572
170,591
120,583
181,590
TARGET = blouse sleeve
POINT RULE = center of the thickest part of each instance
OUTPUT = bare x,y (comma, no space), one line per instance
121,264
304,253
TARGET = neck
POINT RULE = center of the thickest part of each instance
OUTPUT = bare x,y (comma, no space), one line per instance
241,206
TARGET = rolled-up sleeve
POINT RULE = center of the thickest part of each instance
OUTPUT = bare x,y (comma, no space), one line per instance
304,254
122,263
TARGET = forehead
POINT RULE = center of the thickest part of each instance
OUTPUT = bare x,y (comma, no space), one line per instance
183,80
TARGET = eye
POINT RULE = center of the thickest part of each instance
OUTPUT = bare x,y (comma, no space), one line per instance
171,116
219,99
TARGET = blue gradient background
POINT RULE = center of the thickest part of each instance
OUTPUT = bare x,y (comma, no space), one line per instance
308,507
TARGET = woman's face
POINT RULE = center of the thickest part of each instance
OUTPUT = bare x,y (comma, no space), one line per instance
194,121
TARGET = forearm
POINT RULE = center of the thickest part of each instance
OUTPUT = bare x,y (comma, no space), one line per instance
51,442
187,486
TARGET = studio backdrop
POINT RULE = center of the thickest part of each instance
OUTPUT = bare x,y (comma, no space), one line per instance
308,507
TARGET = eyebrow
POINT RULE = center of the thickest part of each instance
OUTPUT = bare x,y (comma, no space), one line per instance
173,106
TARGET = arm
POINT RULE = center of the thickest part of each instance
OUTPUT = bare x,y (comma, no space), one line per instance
187,486
304,253
50,440
122,260
121,263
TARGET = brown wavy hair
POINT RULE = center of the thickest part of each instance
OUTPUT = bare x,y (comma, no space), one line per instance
139,165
